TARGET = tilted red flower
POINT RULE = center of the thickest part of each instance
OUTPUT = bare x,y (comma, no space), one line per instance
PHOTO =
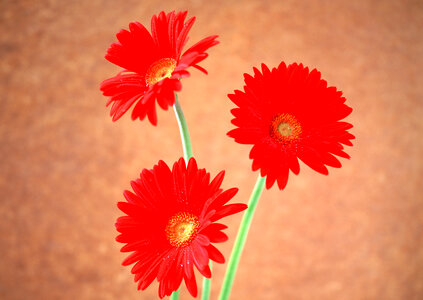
289,113
152,65
171,222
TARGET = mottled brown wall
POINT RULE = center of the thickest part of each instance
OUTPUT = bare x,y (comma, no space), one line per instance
356,234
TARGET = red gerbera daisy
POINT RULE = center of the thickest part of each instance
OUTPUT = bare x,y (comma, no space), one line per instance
171,223
290,113
153,64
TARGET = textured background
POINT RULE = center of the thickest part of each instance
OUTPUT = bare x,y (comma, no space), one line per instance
355,234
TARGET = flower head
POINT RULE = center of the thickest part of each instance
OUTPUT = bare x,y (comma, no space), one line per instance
152,65
170,223
289,113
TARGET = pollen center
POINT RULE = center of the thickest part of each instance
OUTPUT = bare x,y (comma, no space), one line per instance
285,128
160,70
181,229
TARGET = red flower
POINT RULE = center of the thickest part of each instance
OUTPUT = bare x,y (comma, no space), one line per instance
153,64
171,223
290,113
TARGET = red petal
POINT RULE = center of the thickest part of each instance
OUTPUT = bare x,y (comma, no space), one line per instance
191,285
312,160
215,254
227,210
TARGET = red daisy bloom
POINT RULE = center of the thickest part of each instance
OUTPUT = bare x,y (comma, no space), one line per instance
171,223
152,65
290,113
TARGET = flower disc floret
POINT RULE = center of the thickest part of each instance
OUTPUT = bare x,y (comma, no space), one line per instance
285,128
160,70
181,229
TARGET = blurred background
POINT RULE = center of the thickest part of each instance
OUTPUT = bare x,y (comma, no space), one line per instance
355,234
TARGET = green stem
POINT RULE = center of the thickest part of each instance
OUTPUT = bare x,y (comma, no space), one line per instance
205,295
186,145
241,238
175,295
183,129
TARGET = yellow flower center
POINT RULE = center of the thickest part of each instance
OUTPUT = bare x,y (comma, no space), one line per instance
181,229
160,70
285,128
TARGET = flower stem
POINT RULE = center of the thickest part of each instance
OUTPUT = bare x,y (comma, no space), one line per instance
186,145
205,295
183,129
241,238
175,295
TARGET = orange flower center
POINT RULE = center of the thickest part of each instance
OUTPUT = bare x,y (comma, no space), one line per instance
181,229
285,128
160,70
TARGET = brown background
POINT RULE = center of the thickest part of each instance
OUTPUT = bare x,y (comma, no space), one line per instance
356,234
